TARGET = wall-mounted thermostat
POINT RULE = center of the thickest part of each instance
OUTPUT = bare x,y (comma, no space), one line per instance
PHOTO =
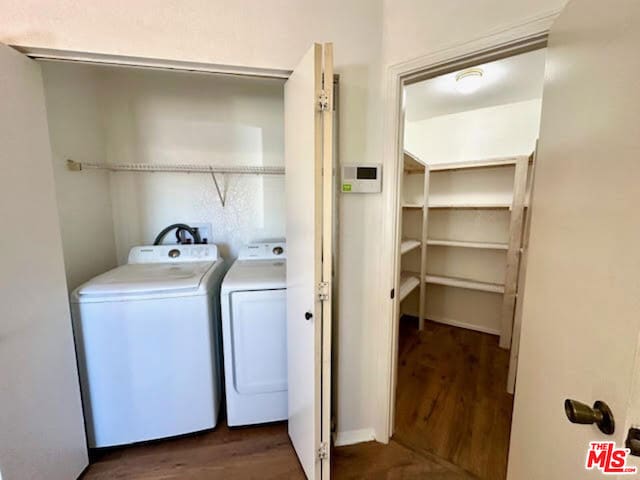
361,178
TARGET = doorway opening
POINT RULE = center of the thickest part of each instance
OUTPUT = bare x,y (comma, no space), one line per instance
463,203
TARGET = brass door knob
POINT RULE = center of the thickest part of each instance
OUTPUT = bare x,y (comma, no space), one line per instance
600,414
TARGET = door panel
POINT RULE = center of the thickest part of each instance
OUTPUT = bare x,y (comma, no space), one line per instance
308,339
581,310
41,414
258,325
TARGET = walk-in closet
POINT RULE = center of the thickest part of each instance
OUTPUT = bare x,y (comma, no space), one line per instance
468,163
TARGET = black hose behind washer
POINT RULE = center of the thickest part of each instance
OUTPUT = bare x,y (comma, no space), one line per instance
183,226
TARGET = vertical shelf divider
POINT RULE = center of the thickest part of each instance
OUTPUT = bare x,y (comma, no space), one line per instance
423,252
513,253
517,317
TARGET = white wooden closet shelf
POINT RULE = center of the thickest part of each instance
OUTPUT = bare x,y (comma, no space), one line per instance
408,245
473,205
413,164
482,163
465,283
408,282
467,206
467,244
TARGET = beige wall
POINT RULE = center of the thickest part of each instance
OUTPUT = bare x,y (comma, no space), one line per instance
118,115
497,131
84,203
272,33
413,28
168,117
267,33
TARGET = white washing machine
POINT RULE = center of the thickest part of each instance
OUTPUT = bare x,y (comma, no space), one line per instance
147,338
254,332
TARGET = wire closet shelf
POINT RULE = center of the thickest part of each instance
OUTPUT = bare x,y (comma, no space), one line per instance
152,168
145,167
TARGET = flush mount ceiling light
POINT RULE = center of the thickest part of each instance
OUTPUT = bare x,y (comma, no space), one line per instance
469,81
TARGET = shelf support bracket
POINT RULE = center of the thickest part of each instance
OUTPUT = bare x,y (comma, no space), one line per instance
73,166
222,196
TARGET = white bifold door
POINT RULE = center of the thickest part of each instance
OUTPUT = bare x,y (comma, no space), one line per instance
41,426
581,311
308,107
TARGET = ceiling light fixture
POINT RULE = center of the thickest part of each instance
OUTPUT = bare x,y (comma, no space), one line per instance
469,81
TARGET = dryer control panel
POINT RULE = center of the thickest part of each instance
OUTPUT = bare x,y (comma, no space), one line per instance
263,251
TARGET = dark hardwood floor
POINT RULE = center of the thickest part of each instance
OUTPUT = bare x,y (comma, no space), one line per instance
260,453
224,453
374,460
452,408
451,397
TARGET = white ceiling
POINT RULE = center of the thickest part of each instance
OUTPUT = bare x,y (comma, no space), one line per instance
513,79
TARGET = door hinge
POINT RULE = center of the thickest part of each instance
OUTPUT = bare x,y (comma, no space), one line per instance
323,451
323,291
323,102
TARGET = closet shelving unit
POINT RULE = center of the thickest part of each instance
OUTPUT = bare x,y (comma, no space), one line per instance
491,185
414,242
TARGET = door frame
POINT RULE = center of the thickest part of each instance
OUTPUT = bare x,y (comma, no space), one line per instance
527,35
94,58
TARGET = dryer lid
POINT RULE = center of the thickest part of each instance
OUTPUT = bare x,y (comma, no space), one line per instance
255,275
146,278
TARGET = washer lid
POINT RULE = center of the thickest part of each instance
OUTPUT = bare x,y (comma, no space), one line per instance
146,278
255,275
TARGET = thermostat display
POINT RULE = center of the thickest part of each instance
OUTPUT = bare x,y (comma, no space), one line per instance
361,178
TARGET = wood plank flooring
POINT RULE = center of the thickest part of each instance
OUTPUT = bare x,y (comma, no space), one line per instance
240,453
261,453
451,397
452,408
376,461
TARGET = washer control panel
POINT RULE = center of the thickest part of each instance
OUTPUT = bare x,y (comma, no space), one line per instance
173,253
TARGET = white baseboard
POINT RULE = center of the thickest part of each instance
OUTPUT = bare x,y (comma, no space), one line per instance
351,437
469,326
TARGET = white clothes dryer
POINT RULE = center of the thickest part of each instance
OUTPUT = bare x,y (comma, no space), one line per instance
254,332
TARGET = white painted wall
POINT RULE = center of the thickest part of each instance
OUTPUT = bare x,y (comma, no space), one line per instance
499,131
272,34
100,114
275,33
179,118
84,200
414,28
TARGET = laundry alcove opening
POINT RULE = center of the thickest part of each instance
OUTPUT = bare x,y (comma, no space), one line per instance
465,198
114,115
148,116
